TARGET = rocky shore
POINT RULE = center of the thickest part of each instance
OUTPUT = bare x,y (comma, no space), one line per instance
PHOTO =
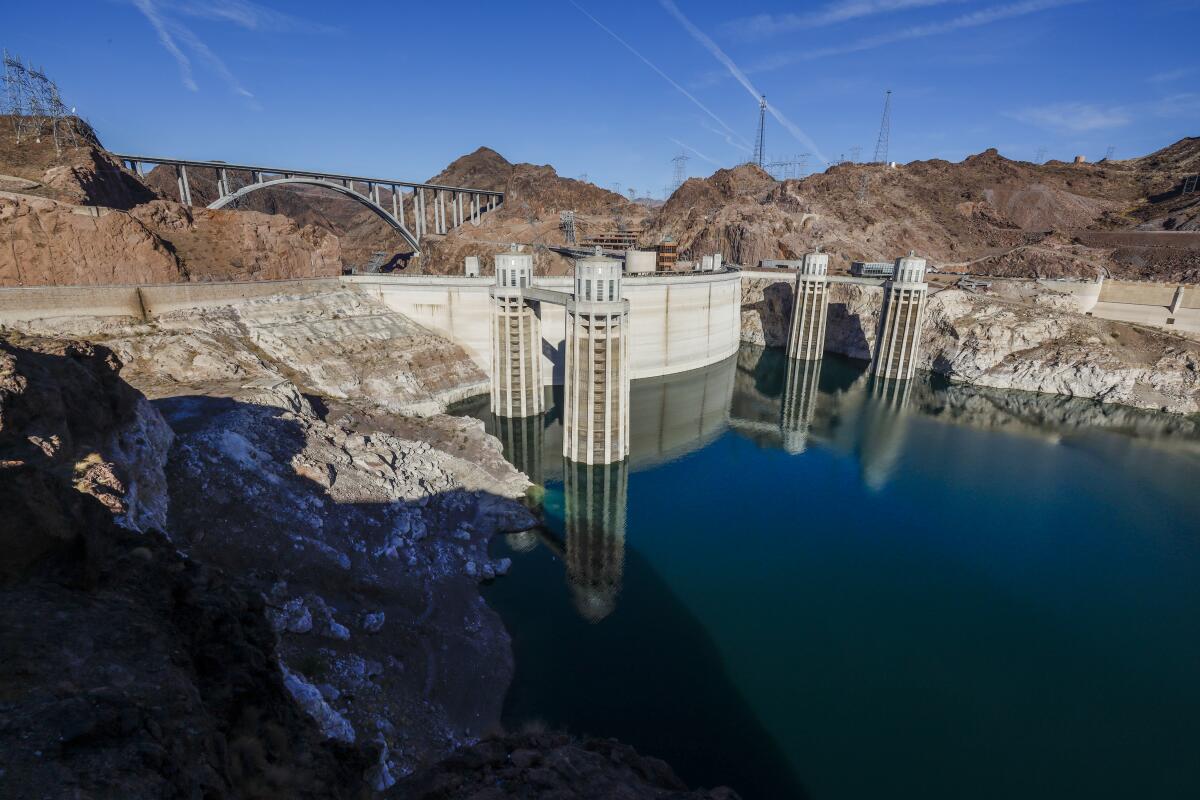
246,563
979,339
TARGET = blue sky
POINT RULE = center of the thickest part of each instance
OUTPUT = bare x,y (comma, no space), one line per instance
616,89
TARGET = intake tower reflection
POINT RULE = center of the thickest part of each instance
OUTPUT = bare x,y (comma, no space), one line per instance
595,499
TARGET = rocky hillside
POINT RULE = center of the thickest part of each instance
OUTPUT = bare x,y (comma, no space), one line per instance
265,577
981,339
78,218
986,213
534,197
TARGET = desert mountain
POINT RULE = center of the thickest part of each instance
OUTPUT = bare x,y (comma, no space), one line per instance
986,213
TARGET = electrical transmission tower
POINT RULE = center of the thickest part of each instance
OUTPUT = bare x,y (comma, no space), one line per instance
680,162
1040,158
801,165
567,223
760,140
33,101
855,153
1108,154
885,130
583,177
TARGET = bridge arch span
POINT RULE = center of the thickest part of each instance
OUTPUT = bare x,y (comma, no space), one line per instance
378,210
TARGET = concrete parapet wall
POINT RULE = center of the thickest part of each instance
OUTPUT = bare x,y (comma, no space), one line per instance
141,302
54,302
165,298
1138,293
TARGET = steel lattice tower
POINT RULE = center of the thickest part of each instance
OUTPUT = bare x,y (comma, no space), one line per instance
885,130
680,162
760,153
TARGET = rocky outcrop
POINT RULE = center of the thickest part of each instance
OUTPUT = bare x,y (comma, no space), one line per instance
552,765
129,669
368,549
44,242
65,410
982,340
339,345
292,470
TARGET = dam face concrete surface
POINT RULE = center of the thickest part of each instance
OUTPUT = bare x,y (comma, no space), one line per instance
676,322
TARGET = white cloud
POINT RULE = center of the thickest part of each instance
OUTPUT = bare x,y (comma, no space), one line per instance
248,15
1170,75
983,16
1074,117
150,12
761,26
179,40
738,74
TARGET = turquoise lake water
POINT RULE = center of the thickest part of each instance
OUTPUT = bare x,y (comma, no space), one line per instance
806,584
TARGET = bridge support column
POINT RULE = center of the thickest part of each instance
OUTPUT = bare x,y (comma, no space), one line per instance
899,339
596,408
516,339
185,191
806,340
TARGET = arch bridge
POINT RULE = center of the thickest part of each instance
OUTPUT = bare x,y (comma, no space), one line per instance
432,208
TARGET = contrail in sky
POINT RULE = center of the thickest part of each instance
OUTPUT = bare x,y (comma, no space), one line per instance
697,153
662,74
737,73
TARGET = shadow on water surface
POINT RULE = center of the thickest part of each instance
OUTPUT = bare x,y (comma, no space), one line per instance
643,670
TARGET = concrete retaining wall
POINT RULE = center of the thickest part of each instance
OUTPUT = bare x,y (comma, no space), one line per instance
1137,293
141,302
54,302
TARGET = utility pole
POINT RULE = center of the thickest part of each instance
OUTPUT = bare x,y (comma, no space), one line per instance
760,141
885,130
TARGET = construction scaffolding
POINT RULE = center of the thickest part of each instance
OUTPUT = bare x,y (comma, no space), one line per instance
35,104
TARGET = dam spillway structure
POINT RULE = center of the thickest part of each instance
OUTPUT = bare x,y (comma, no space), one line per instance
900,324
806,338
516,339
594,524
596,407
